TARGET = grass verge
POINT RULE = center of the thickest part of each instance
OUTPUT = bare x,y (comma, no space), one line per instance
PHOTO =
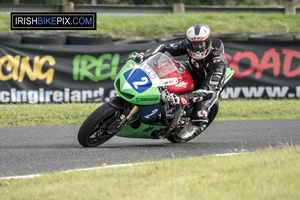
245,109
156,26
76,113
269,174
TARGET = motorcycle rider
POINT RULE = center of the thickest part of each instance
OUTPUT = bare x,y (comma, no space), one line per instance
207,64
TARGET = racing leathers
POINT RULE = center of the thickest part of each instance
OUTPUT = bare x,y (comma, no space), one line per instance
208,75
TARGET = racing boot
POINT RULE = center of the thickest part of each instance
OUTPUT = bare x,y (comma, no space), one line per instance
187,131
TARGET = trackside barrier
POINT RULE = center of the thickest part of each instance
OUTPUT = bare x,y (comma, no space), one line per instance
66,38
266,66
136,10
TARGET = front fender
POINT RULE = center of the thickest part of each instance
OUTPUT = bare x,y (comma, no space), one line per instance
117,102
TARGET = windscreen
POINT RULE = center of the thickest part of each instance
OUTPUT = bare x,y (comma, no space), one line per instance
162,64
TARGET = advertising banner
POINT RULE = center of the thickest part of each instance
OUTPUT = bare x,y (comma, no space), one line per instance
66,73
82,73
269,69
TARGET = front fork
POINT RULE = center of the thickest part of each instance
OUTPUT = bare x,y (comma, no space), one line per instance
120,103
120,122
132,112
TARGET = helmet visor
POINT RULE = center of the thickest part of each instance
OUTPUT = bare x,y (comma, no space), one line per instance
200,46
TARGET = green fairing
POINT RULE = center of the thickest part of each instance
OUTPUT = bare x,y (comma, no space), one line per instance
148,97
229,73
144,131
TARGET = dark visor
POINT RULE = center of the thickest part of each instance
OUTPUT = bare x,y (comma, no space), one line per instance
199,46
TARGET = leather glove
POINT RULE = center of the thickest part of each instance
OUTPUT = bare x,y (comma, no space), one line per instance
138,57
173,99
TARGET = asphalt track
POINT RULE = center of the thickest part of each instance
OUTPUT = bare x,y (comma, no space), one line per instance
46,149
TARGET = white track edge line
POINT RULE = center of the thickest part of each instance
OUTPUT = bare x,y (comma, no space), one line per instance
73,170
226,154
94,168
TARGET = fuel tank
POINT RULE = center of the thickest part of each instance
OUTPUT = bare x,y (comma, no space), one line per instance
185,84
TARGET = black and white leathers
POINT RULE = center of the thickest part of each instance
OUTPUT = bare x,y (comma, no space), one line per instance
208,73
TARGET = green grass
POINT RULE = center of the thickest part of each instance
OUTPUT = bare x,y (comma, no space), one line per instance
45,114
75,113
244,109
269,174
163,25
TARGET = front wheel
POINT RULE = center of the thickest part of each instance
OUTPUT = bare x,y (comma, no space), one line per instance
212,114
93,131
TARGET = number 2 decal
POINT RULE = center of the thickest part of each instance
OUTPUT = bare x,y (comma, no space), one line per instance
138,80
143,82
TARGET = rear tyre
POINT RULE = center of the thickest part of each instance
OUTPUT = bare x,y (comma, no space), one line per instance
232,36
93,132
213,113
10,38
89,39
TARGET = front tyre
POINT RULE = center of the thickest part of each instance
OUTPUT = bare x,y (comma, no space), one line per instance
213,113
94,130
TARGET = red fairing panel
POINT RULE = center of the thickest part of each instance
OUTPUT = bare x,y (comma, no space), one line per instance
185,85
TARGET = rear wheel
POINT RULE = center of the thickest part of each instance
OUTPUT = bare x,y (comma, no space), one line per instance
94,130
213,113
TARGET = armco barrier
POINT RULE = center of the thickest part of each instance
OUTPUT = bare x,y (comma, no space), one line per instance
265,66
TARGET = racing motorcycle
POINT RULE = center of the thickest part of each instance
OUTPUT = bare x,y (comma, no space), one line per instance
140,109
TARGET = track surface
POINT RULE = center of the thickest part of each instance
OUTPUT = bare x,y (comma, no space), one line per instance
44,149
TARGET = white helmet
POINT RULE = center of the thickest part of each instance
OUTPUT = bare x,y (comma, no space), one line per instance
199,41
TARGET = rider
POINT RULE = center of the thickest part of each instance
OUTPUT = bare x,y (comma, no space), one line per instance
207,64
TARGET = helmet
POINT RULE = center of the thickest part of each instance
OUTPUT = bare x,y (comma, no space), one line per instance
199,41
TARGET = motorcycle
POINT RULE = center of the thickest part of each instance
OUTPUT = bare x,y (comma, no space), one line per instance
140,108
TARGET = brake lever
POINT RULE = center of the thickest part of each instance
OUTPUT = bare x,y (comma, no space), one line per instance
124,61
